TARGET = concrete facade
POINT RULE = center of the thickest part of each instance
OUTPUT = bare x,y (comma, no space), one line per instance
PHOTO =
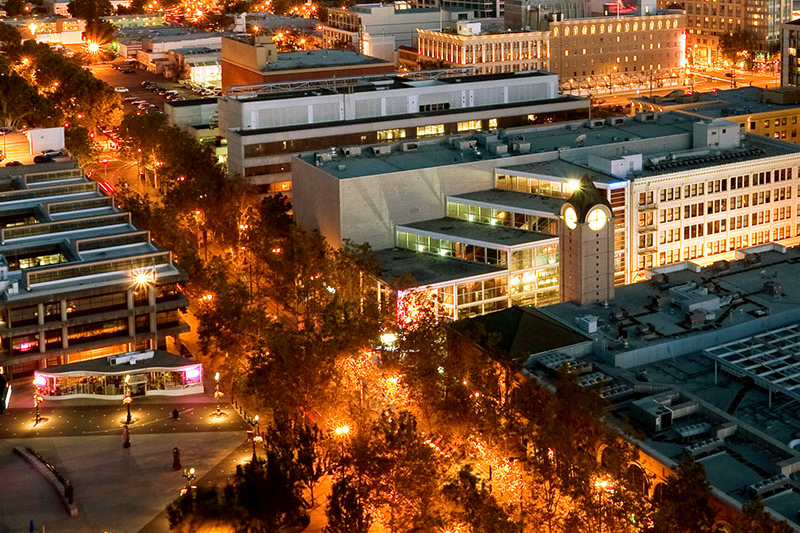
264,131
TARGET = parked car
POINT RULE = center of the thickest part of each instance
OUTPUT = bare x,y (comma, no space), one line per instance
13,164
121,89
43,159
52,153
129,71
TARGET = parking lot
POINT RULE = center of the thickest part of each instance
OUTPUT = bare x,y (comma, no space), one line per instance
132,81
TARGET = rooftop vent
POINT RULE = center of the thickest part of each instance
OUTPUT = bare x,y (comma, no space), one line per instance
721,266
696,318
351,151
752,259
772,288
410,146
384,149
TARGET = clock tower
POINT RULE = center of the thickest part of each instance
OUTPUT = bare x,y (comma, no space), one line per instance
586,246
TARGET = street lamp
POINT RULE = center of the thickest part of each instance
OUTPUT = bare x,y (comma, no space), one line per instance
218,394
189,475
147,279
127,399
38,383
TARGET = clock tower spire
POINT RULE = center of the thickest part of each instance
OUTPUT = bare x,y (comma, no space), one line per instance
586,244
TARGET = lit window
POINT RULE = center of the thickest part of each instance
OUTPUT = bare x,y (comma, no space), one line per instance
492,123
635,26
583,30
555,32
566,31
592,30
388,135
566,52
469,125
431,129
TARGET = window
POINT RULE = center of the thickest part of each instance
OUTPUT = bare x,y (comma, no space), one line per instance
469,125
389,135
425,108
492,123
431,129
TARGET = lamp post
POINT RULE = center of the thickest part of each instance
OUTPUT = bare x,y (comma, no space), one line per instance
217,393
147,279
257,439
38,383
189,475
127,399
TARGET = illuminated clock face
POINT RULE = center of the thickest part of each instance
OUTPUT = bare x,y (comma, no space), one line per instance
596,219
571,218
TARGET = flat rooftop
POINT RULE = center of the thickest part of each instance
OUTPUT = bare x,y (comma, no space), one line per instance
721,104
397,265
160,360
307,59
272,91
479,234
60,233
659,312
567,142
518,202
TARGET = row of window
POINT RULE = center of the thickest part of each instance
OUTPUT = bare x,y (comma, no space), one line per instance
602,28
491,216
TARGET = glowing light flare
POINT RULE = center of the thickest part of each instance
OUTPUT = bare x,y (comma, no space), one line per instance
39,381
342,431
143,278
193,373
93,47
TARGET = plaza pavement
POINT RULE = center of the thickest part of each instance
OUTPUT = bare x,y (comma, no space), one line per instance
116,489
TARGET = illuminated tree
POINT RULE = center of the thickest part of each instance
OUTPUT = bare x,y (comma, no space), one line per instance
81,145
346,510
9,36
475,506
399,472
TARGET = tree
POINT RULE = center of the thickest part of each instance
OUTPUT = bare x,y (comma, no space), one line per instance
15,8
9,36
311,460
268,494
80,144
685,506
89,10
475,506
21,104
201,509
755,519
398,471
346,510
740,42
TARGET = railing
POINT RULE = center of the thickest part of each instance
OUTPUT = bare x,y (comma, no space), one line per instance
70,271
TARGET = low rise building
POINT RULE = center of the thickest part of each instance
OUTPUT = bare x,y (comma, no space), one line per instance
78,280
266,125
677,188
198,64
595,54
254,59
379,29
53,30
770,112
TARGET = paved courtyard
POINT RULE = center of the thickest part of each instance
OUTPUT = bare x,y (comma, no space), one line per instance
116,489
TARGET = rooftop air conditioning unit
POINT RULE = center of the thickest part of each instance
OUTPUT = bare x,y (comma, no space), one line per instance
351,151
595,123
498,148
521,147
410,146
323,157
464,144
383,149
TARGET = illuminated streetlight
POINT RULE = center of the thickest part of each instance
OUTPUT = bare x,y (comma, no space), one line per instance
147,279
93,47
219,394
189,475
342,431
127,399
38,383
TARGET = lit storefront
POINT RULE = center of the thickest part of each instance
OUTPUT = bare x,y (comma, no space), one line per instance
150,373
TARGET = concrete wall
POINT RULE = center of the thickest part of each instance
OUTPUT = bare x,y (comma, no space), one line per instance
317,197
693,343
190,115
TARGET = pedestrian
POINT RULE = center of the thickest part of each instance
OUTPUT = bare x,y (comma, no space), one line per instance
175,413
176,459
